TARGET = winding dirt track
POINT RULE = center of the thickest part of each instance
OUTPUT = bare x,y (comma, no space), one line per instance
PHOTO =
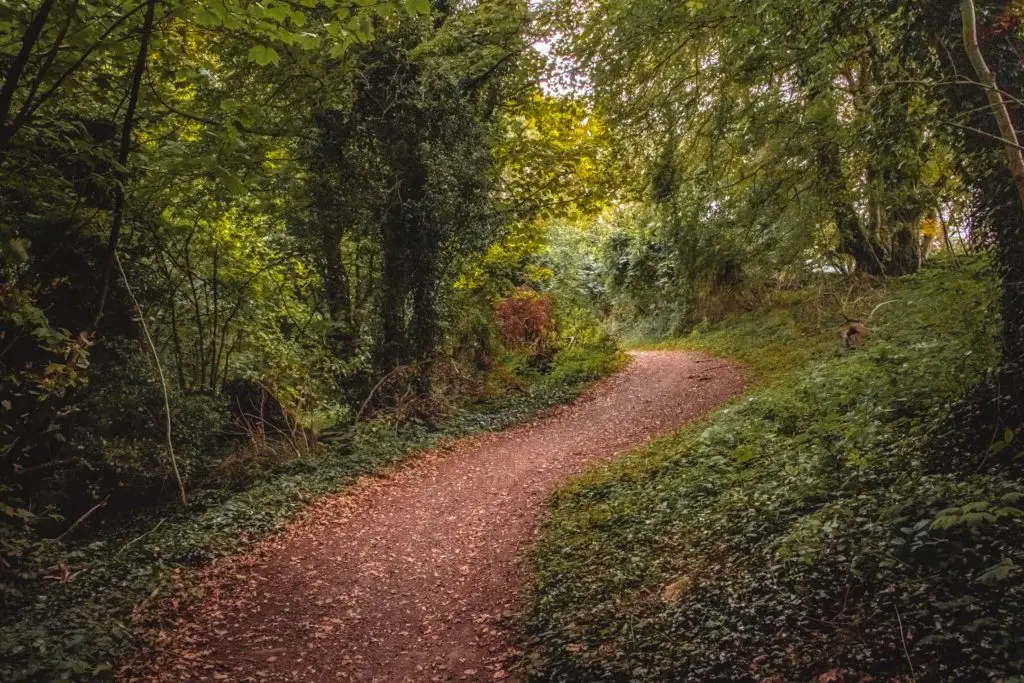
409,577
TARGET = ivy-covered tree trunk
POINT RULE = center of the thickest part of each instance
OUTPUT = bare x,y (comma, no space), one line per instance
854,240
1010,259
905,255
337,289
993,52
392,349
423,332
332,187
420,259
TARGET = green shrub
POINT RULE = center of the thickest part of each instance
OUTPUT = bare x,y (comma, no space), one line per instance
586,362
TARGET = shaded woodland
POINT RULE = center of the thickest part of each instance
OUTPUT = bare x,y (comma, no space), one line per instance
249,250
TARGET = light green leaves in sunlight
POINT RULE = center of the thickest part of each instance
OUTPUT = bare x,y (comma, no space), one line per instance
263,55
417,6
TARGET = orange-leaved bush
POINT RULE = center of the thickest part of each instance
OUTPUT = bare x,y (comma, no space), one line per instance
525,318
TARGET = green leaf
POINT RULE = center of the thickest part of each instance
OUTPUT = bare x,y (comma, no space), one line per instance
19,247
308,41
19,513
1012,498
205,17
263,55
744,454
997,573
278,12
230,180
417,6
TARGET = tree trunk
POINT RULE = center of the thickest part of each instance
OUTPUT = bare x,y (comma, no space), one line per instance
410,250
17,68
905,257
117,218
339,298
423,331
853,239
422,267
393,347
1008,216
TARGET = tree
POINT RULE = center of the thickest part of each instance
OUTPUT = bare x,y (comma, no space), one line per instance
405,170
993,142
773,106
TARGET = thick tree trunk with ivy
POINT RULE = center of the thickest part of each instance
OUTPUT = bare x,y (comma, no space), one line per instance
1010,257
1000,72
423,333
416,254
854,240
330,187
337,289
905,254
392,349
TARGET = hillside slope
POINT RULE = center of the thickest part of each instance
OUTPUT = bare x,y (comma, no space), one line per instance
823,527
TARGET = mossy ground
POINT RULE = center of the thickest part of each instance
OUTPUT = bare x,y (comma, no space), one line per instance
815,527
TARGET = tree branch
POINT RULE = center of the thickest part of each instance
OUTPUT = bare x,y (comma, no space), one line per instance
28,42
1011,143
117,219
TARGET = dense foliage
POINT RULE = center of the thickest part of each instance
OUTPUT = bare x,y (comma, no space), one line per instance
268,220
769,138
249,250
828,526
252,249
857,517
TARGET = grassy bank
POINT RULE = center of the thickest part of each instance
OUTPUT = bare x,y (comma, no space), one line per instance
99,599
822,527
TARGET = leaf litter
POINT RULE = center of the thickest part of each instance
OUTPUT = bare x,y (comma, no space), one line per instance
414,576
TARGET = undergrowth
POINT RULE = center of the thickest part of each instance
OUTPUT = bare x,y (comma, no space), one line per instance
814,529
98,599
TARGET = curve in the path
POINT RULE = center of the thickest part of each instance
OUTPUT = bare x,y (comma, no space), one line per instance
408,577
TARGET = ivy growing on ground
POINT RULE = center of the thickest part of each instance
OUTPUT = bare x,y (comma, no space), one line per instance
819,528
106,591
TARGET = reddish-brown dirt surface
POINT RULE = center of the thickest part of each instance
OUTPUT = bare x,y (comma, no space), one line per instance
410,576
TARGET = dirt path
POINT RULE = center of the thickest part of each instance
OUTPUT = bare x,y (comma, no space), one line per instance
407,577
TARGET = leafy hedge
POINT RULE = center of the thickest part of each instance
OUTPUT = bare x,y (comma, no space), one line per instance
96,599
818,528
